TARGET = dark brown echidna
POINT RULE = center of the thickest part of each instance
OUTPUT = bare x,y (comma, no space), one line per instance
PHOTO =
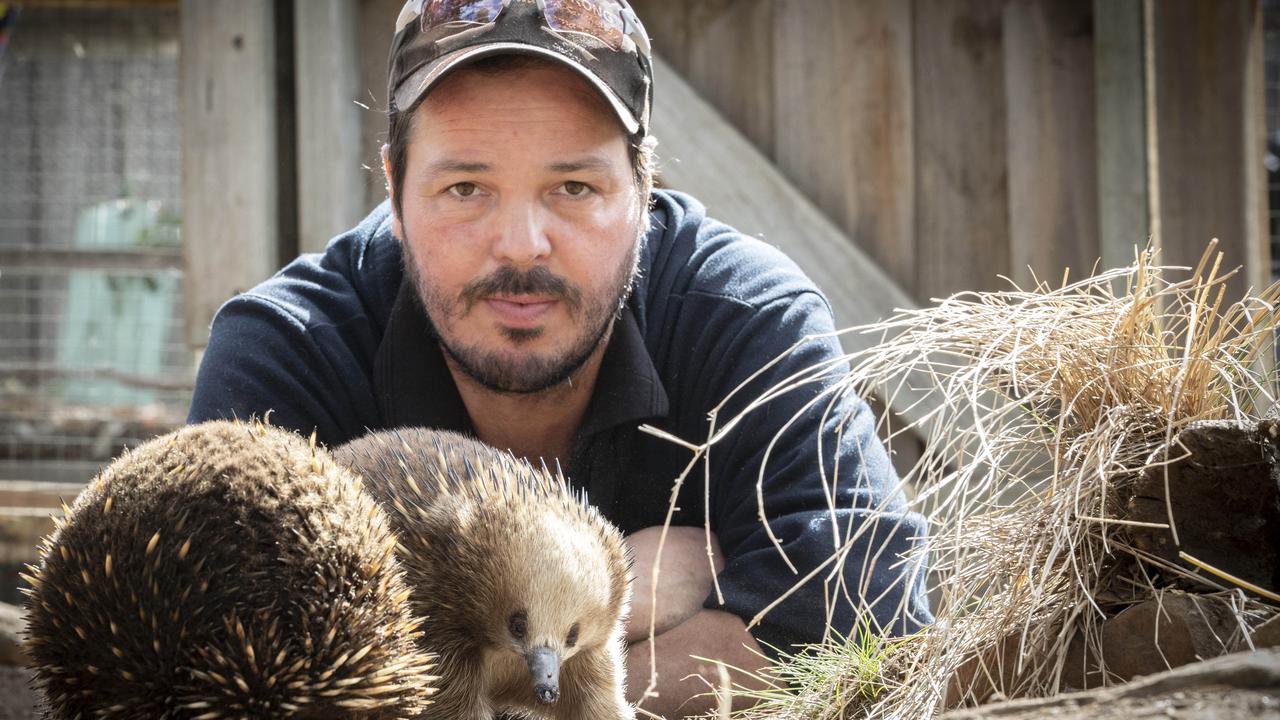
226,570
522,584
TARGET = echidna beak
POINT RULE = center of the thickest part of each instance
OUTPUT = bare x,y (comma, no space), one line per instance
544,670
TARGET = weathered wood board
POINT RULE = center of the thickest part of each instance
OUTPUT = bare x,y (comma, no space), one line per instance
230,214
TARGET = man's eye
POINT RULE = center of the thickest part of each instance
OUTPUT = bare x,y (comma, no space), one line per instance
574,188
462,190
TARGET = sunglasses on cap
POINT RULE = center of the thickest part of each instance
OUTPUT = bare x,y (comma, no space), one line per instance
612,22
601,40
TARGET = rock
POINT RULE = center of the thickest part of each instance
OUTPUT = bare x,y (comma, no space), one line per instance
1243,686
1225,496
1267,635
18,699
11,626
1172,630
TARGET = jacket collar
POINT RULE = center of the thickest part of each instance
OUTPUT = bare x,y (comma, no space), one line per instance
415,389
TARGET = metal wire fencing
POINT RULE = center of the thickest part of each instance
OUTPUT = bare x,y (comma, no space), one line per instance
1271,52
92,351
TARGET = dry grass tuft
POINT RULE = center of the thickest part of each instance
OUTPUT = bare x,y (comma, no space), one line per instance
1044,404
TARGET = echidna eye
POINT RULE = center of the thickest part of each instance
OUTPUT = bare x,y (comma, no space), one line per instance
573,636
518,624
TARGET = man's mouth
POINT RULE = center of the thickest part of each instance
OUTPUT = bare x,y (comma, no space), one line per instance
520,311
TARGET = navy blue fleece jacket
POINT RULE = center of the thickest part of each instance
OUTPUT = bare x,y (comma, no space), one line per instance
337,343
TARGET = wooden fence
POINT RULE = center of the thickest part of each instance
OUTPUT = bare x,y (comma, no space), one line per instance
954,141
959,140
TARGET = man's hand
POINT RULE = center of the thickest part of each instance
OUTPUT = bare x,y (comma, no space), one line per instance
684,578
686,685
682,628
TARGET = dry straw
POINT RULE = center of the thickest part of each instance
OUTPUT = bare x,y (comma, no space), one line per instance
1038,407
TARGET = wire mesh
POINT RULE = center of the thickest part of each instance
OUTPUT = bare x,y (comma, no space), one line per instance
92,351
1271,53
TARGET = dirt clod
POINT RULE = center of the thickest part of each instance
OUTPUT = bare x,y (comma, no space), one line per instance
1224,491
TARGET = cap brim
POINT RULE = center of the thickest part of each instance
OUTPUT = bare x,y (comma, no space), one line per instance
421,80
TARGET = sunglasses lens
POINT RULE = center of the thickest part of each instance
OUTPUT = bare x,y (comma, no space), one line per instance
443,12
599,18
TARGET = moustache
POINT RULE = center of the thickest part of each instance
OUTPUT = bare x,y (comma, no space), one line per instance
507,280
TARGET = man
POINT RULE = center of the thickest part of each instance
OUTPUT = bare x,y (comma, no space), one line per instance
525,284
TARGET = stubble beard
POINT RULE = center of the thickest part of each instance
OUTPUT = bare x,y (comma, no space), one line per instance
516,372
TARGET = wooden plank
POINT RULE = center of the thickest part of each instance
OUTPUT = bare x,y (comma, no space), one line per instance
962,195
730,63
229,180
1257,212
704,155
21,530
1049,85
667,22
31,258
93,4
27,510
1207,61
844,127
45,497
326,70
98,371
376,23
1120,78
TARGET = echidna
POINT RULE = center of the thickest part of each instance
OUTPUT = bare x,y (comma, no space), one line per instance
522,584
226,570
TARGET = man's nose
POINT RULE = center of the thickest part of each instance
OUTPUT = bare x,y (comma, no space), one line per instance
522,239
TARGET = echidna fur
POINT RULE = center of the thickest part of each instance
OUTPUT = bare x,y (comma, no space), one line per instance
483,533
225,570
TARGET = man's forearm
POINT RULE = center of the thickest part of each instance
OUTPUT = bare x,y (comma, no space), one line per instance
687,686
684,582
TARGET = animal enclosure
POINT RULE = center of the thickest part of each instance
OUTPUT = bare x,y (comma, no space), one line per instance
157,156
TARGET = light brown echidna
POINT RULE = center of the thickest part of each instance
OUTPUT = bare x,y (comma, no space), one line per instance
523,586
226,570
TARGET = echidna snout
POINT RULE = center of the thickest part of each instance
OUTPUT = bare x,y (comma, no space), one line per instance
544,671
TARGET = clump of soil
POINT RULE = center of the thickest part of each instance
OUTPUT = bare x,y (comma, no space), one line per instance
1222,504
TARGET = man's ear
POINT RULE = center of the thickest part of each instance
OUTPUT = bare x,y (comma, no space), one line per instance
391,192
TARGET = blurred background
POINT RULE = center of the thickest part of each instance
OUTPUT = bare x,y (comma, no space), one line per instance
157,156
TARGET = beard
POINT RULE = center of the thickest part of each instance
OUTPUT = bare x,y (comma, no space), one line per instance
516,371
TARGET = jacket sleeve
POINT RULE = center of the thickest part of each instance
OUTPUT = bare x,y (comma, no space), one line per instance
812,458
268,356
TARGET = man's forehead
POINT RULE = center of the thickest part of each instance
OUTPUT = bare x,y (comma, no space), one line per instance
446,165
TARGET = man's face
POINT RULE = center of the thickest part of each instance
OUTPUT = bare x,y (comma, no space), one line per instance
520,221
